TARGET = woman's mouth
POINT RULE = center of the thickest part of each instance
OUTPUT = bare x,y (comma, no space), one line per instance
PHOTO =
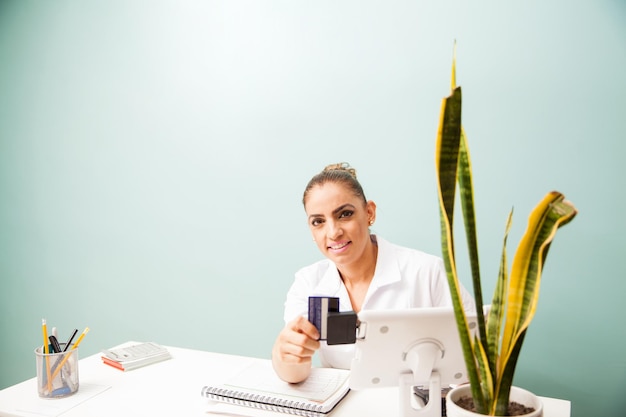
338,247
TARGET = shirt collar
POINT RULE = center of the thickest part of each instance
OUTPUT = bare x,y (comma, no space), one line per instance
386,272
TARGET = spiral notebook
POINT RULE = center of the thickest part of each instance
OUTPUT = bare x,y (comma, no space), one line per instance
258,386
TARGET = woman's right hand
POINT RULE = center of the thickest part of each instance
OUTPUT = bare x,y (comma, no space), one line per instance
293,350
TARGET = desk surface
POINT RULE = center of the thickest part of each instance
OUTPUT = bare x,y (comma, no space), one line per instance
173,387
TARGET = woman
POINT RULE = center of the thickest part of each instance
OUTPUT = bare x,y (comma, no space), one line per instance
362,269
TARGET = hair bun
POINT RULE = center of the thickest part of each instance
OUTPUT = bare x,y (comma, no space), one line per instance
341,173
341,166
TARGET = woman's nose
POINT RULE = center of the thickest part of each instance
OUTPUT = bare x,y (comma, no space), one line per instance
334,230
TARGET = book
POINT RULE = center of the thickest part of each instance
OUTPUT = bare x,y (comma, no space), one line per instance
135,356
258,386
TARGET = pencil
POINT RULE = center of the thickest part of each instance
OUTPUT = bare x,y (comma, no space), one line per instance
44,330
58,368
80,338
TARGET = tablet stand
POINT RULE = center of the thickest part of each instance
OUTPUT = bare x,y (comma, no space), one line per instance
421,358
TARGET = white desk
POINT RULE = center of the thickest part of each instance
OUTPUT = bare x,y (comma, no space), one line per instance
172,388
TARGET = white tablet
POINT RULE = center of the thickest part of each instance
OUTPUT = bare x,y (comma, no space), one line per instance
391,343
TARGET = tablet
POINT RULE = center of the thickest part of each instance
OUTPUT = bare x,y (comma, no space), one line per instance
391,343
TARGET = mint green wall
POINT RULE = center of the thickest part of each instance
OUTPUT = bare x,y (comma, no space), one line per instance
153,156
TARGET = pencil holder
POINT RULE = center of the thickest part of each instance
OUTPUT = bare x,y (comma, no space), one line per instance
57,373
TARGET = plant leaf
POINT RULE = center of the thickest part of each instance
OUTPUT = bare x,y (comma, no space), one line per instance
485,372
446,161
523,292
466,192
496,313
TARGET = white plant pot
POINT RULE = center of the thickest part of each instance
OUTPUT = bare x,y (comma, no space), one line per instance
518,395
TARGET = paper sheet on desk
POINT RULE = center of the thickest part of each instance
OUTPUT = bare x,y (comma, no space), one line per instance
56,407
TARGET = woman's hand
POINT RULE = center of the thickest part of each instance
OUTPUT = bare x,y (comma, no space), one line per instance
293,350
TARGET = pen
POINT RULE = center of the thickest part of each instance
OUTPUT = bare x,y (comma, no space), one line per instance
55,344
69,341
66,357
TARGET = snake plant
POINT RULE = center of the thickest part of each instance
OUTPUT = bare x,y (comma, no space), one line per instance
491,355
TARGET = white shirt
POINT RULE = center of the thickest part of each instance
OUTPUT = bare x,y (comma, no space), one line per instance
403,278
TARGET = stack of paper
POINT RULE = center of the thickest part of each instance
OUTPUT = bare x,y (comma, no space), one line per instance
135,356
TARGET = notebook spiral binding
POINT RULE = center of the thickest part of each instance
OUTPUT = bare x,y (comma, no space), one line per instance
262,402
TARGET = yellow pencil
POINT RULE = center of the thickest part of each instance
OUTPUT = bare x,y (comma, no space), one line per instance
67,355
80,338
45,351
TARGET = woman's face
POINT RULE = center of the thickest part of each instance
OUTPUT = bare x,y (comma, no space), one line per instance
339,221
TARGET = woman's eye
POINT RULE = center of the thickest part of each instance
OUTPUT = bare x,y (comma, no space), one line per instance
346,213
316,222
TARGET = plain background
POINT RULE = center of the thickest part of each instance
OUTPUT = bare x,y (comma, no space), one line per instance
153,157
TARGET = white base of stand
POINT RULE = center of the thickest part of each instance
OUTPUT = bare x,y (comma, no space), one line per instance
432,409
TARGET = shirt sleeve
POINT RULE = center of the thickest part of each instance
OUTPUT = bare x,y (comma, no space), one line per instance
297,302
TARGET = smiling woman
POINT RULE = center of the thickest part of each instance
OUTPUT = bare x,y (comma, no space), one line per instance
361,269
339,218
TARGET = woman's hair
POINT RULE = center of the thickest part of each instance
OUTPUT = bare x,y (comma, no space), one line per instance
341,173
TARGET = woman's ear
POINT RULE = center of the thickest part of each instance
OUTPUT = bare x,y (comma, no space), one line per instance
371,212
